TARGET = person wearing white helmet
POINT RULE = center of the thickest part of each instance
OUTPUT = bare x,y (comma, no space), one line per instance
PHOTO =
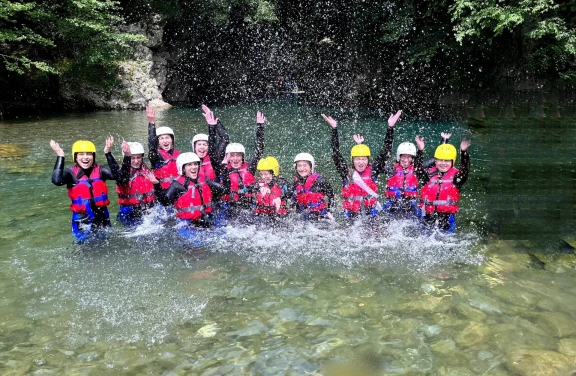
161,151
441,184
360,181
190,194
86,183
313,195
135,192
210,147
237,175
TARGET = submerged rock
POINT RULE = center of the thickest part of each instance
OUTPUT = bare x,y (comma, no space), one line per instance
475,333
567,346
557,324
537,363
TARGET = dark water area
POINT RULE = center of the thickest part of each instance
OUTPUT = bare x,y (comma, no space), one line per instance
498,298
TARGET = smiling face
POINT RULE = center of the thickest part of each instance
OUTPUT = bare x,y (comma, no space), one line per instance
191,169
360,163
165,142
266,176
201,148
236,159
85,160
443,165
136,160
405,160
303,168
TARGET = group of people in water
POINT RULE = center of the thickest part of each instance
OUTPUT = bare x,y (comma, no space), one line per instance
217,183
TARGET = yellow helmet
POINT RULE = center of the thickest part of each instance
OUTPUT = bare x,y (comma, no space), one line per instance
82,146
275,165
269,164
360,150
446,152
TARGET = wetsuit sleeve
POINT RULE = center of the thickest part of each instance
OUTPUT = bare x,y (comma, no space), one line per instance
61,176
124,174
379,163
419,170
153,155
287,189
258,150
215,187
325,187
111,171
462,176
337,157
168,196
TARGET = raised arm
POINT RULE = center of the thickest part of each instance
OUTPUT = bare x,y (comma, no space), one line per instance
379,163
462,176
59,175
259,148
124,174
419,170
152,139
113,170
337,157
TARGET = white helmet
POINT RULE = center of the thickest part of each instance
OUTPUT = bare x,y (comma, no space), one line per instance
305,157
136,148
164,130
199,137
405,148
185,158
235,148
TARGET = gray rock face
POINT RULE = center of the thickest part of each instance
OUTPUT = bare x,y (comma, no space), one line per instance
141,79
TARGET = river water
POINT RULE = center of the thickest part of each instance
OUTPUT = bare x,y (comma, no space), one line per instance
498,298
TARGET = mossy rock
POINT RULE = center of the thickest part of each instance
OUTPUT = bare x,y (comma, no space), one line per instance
13,151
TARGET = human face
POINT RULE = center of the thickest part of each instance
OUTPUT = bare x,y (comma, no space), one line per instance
266,175
85,160
405,160
236,159
303,168
165,142
360,163
201,148
191,169
136,160
443,165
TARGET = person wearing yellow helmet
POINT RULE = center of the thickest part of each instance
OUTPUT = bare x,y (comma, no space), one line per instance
272,191
135,192
441,184
86,186
161,151
359,182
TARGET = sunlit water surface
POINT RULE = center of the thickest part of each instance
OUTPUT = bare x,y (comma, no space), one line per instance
498,298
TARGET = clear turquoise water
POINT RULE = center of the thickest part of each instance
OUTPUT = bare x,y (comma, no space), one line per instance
496,299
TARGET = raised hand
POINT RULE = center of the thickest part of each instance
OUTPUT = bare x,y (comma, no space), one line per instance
260,119
464,144
333,123
56,147
209,116
420,142
277,202
150,114
445,135
150,176
109,144
358,138
394,118
126,149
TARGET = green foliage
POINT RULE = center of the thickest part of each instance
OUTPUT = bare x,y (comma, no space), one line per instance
86,33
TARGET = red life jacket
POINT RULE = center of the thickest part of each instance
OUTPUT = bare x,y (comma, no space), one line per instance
355,197
168,171
237,176
404,183
138,191
440,194
196,201
307,200
89,189
206,170
264,203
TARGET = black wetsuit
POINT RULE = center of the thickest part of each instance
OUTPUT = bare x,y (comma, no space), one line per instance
61,176
217,150
378,165
442,220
